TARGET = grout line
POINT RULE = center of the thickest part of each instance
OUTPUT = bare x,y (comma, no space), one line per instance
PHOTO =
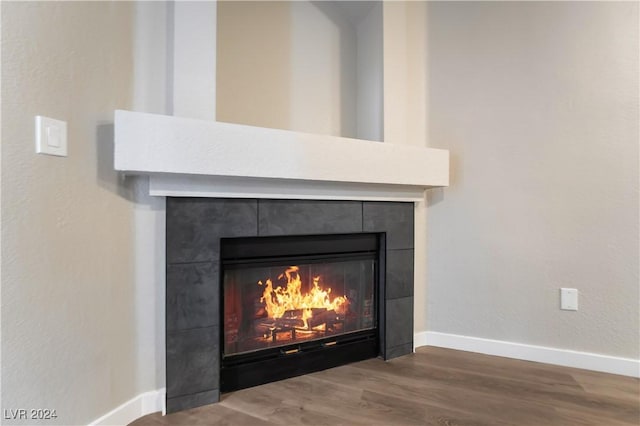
257,217
193,329
201,262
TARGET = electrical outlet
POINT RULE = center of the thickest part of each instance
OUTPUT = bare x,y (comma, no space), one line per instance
569,299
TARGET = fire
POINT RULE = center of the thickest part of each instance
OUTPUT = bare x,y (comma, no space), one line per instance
289,299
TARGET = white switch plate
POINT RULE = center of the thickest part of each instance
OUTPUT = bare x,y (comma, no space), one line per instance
51,136
569,299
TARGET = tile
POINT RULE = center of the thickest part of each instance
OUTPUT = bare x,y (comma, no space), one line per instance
399,274
399,322
398,351
191,401
289,217
195,226
396,219
193,361
193,295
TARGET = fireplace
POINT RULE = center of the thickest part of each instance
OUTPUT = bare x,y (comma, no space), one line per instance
227,259
297,304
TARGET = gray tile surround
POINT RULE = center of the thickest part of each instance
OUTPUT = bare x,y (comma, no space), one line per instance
180,403
399,321
396,351
284,217
396,219
399,273
195,226
194,229
193,361
192,289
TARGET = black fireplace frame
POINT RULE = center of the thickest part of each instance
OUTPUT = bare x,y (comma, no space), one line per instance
194,227
239,371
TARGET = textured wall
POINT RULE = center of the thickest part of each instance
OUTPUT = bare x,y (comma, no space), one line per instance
68,333
538,103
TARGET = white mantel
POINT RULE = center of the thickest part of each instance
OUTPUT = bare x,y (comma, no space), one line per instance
188,157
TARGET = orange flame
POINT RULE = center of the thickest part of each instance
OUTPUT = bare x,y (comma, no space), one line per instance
282,299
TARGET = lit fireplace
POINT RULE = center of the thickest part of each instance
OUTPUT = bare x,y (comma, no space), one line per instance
289,296
312,311
299,305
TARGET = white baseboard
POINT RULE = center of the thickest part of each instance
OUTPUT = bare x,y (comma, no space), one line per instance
136,407
585,360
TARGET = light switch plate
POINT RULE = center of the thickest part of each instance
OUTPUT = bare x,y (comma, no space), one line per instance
51,136
569,299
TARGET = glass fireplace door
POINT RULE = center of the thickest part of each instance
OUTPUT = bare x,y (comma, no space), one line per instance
278,303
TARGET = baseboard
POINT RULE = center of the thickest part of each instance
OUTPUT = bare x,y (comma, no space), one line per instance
585,360
141,405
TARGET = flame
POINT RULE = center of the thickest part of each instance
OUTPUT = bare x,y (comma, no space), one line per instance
282,299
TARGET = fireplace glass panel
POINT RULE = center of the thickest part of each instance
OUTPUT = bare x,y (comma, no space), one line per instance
281,304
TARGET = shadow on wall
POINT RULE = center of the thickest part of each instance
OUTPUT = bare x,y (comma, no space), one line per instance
347,77
107,177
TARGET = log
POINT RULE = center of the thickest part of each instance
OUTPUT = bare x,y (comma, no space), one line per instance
289,322
298,313
326,317
292,313
317,311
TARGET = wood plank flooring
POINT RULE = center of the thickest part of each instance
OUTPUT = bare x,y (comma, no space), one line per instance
434,386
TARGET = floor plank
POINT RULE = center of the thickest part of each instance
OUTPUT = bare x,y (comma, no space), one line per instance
434,386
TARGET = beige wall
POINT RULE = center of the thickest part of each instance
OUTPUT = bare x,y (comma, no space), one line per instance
68,333
287,65
253,87
538,103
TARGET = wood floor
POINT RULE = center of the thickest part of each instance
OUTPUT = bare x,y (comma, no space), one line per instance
434,386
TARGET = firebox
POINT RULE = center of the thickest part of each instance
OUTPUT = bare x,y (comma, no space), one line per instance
297,304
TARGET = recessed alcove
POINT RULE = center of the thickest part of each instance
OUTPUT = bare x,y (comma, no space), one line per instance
307,66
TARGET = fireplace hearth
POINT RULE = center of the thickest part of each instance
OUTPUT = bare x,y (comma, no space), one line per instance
230,311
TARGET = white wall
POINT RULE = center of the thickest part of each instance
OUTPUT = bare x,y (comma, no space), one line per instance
152,73
538,104
370,79
69,339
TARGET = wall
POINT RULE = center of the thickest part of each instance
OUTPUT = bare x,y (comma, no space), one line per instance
253,88
370,81
151,74
288,65
68,290
538,103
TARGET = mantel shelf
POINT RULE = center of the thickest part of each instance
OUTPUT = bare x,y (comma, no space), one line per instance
187,157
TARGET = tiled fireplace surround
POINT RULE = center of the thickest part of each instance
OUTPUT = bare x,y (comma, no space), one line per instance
194,229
